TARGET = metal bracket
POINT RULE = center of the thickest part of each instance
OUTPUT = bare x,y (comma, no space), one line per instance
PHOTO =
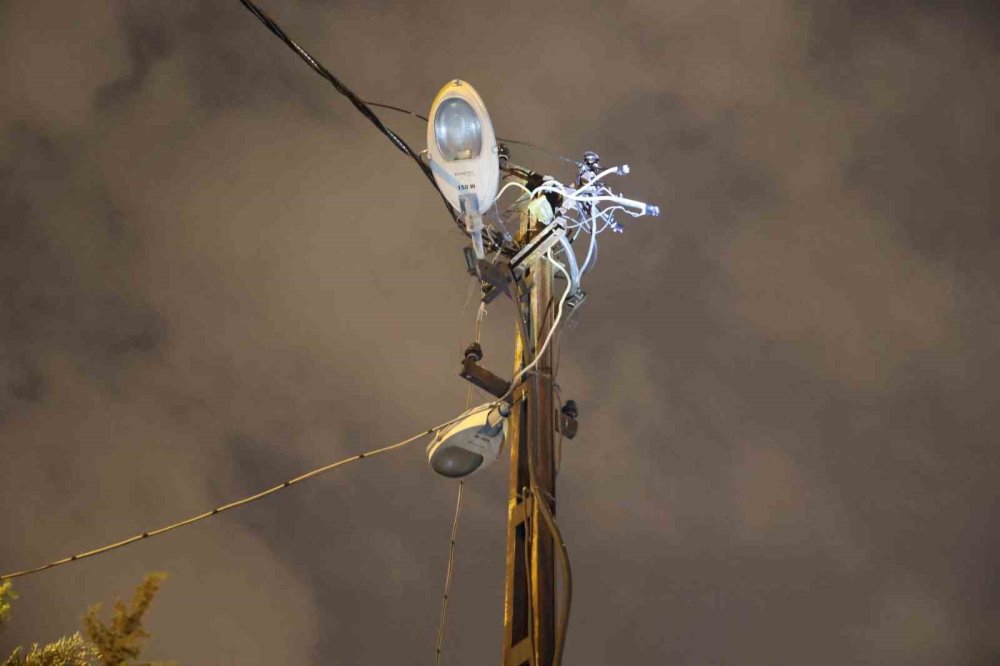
543,241
495,278
565,423
483,378
486,380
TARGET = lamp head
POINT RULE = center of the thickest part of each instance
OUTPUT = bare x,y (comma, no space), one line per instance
463,149
470,444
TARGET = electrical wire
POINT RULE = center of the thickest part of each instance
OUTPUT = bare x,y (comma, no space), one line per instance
238,503
528,144
448,574
619,170
358,103
514,183
591,251
398,109
548,519
558,391
582,214
480,315
642,207
555,323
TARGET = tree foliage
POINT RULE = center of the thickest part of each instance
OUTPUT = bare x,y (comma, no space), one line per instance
6,596
121,640
67,651
117,643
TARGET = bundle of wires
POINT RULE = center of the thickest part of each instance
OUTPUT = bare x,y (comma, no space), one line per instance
590,208
491,241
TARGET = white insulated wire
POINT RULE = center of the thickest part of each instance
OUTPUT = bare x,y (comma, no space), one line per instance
513,183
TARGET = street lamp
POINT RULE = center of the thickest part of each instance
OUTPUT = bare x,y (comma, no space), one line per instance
463,155
470,444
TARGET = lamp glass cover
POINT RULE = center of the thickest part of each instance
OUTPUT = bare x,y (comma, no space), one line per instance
456,462
458,130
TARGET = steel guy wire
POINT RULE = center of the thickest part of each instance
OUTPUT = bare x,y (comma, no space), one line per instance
358,103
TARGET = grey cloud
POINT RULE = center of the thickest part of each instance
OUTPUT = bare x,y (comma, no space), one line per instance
216,276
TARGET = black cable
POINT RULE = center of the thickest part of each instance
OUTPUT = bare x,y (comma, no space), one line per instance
528,144
399,109
358,103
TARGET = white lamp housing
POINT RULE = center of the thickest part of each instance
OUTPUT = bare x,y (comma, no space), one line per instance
470,444
463,154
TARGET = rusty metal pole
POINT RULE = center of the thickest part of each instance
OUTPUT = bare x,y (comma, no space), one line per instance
529,598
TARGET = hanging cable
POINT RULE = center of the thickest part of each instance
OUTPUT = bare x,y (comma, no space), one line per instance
528,144
237,503
552,329
447,579
480,316
398,109
358,103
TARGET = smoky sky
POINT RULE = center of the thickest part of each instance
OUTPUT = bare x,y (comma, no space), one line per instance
215,274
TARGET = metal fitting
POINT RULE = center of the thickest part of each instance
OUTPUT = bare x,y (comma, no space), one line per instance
475,351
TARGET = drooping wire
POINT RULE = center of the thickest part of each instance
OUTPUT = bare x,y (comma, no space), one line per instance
567,588
480,315
555,324
233,505
448,574
528,144
358,103
398,109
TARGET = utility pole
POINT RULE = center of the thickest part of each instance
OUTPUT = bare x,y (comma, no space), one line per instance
464,160
529,597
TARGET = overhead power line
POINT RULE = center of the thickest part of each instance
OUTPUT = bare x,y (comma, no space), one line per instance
232,505
358,103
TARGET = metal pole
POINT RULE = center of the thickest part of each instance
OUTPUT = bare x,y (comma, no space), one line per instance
529,619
